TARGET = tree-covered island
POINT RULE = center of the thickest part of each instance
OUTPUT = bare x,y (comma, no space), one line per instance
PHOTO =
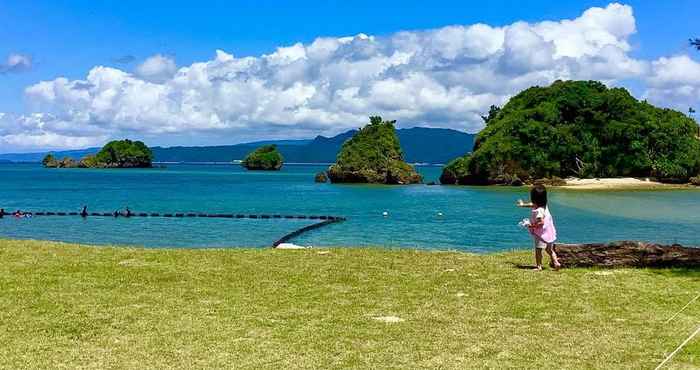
373,155
264,158
579,129
115,154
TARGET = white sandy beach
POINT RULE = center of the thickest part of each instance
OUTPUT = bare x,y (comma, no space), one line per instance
614,183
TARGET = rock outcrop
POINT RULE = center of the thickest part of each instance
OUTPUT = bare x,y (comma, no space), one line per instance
321,177
373,155
627,254
51,162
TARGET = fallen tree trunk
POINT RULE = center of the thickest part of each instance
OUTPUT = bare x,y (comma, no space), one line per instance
627,254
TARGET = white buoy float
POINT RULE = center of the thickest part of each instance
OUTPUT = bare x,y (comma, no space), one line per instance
291,246
439,214
385,214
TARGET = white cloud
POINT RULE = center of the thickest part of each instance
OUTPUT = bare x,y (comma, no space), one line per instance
47,141
444,77
157,68
597,28
16,63
46,132
674,82
677,70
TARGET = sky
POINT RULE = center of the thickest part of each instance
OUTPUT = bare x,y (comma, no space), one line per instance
76,74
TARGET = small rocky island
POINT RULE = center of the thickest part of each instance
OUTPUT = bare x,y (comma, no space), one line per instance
115,154
264,158
321,178
373,155
580,129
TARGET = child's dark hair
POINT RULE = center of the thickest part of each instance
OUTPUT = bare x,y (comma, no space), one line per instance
538,196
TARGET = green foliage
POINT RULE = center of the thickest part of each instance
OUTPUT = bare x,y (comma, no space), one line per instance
89,161
116,154
455,170
493,113
264,158
49,161
123,154
582,129
373,155
372,147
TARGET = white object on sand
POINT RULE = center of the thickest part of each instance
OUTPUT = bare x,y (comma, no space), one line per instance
291,246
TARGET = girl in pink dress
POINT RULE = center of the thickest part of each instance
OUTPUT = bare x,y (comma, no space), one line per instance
541,226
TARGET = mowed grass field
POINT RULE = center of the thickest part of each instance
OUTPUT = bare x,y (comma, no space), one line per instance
70,306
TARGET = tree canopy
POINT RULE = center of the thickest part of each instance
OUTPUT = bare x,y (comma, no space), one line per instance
582,129
266,158
115,154
124,154
373,155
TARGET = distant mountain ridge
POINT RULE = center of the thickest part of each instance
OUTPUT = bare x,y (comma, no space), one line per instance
37,157
420,145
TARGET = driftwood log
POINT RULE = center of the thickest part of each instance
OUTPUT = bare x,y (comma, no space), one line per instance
627,254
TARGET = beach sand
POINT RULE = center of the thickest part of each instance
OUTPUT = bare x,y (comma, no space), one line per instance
615,183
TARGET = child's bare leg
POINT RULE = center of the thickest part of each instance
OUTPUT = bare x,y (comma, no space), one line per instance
538,258
553,256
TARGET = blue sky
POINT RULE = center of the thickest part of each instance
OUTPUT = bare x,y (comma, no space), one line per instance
70,38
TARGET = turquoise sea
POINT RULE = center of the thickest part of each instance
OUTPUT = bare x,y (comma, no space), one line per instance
475,219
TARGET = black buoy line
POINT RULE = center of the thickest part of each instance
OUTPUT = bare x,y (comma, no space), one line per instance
322,220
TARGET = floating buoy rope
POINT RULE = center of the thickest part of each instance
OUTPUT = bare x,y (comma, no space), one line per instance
322,220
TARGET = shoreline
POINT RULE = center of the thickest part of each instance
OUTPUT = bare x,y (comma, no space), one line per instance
619,183
311,248
317,248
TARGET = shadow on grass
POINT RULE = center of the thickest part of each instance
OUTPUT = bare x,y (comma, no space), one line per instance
521,266
686,272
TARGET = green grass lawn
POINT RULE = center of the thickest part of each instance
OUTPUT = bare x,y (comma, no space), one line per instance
69,306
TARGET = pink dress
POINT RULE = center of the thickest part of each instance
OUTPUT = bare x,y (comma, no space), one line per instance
546,233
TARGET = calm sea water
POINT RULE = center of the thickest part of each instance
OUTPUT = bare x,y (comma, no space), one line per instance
473,218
